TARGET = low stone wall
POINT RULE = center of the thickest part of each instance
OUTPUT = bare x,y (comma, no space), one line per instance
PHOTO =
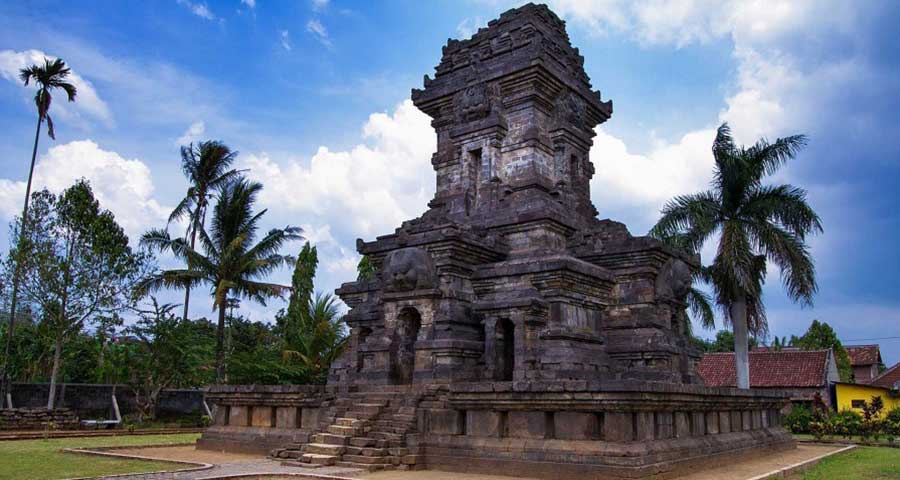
258,418
37,419
577,429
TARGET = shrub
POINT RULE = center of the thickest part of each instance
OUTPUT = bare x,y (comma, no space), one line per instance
799,419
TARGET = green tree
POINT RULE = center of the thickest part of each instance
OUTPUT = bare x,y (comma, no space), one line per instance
167,352
206,167
820,336
755,223
78,267
47,77
365,268
312,333
230,263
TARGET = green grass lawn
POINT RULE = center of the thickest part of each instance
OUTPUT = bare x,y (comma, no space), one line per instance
861,463
43,460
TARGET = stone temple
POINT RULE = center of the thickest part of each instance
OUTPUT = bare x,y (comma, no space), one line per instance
508,330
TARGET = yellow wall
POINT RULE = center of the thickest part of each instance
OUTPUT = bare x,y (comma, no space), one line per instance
846,393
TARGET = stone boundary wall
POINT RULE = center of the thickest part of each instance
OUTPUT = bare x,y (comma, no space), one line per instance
94,401
37,419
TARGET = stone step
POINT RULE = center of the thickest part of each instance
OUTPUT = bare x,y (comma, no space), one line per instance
366,459
319,459
348,422
404,417
379,435
369,467
363,442
331,438
345,431
324,448
367,451
411,411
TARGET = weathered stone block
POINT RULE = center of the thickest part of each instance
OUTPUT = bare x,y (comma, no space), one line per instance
682,424
221,415
527,424
646,426
618,426
747,420
239,416
698,424
712,423
309,417
576,426
446,422
665,427
286,417
724,422
261,416
484,423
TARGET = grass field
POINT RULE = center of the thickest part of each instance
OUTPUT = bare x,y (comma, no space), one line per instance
861,463
43,460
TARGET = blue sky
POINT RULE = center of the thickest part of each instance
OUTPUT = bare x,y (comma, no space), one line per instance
314,96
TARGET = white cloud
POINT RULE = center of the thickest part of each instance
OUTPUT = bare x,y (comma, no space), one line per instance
315,27
319,5
625,180
469,26
123,186
192,134
199,9
86,101
285,38
249,3
367,190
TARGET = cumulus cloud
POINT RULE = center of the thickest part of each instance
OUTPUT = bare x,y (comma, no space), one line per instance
124,186
644,182
366,190
319,5
318,31
249,3
192,134
87,101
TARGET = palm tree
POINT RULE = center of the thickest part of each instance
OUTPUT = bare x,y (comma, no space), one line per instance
206,168
755,223
320,338
230,263
48,77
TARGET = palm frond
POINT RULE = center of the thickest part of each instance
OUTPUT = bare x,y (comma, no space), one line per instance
691,217
784,204
766,158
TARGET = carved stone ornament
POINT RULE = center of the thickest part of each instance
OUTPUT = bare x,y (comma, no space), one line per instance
408,269
475,102
570,110
674,280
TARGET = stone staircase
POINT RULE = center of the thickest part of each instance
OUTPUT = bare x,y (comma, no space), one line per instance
365,430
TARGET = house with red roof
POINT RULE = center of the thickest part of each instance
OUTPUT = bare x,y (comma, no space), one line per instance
889,378
865,361
802,373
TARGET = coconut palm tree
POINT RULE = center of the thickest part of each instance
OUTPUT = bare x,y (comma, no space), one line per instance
47,77
320,337
755,223
206,168
231,264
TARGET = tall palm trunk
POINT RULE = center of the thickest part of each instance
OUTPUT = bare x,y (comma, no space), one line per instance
187,290
4,378
220,343
741,356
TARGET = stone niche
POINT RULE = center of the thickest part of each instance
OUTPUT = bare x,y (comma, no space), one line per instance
509,329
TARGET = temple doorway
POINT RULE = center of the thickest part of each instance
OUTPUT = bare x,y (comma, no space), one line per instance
404,349
506,350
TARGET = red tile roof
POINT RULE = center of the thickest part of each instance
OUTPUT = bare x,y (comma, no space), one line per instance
768,369
888,378
863,354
